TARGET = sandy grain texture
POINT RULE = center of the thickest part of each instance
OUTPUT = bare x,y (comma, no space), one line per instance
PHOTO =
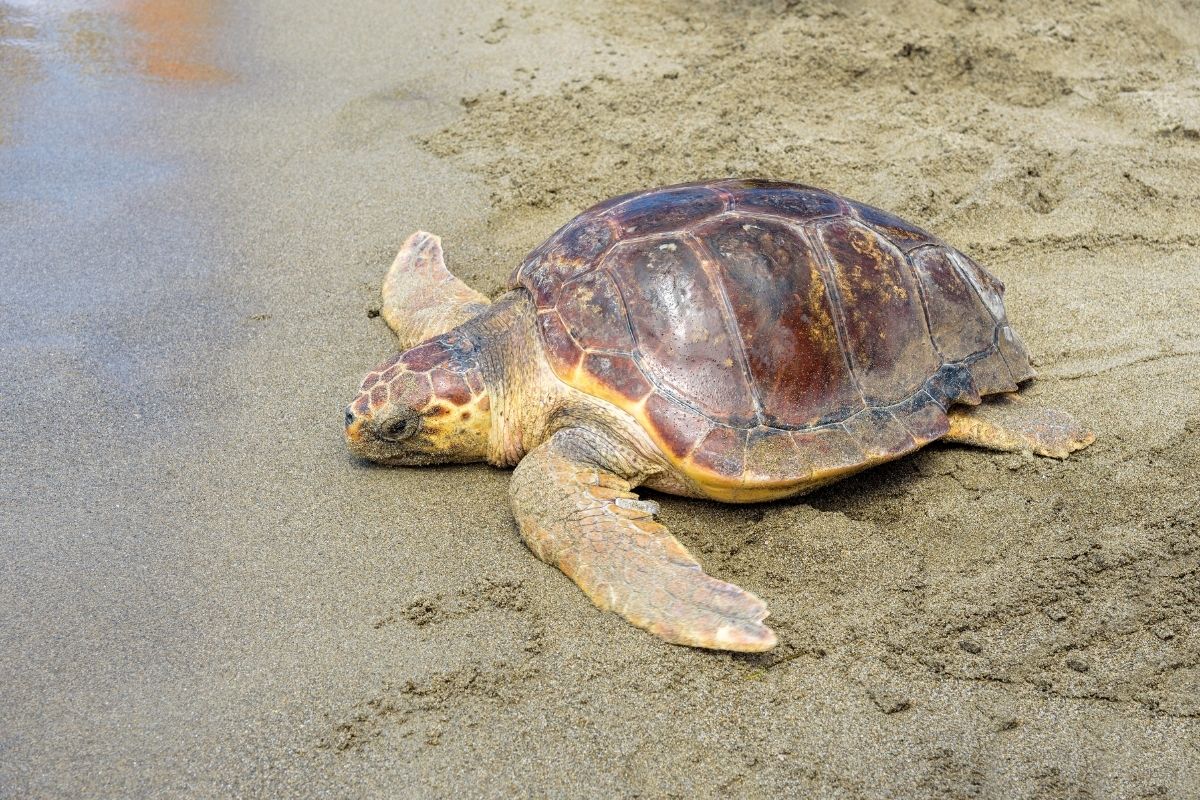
201,594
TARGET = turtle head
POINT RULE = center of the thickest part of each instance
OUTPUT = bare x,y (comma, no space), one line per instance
427,405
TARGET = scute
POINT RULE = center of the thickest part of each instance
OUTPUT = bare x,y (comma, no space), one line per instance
772,277
678,427
879,433
668,210
959,321
678,318
570,252
592,309
562,350
1016,357
769,334
990,290
923,417
902,233
617,375
722,452
797,203
886,335
829,451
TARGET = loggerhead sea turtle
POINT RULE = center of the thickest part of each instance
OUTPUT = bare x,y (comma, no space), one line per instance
739,340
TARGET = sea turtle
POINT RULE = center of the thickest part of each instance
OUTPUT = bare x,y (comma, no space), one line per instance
739,340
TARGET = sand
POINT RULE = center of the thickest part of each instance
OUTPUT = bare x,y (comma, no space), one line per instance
203,595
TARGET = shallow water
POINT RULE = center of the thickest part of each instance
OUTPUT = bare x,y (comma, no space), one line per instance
193,226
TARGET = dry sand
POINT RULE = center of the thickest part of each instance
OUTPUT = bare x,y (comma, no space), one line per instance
201,594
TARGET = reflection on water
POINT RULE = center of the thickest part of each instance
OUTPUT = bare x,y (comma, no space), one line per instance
173,38
168,41
80,83
90,127
18,65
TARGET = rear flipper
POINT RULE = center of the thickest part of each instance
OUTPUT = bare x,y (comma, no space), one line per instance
1008,423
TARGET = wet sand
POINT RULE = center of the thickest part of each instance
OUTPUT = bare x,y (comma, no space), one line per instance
202,594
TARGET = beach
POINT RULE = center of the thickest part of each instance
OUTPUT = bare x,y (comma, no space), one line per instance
202,594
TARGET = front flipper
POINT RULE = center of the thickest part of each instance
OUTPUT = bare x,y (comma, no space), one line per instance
582,518
421,298
1009,424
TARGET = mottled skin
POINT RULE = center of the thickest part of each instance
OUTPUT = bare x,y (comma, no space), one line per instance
735,340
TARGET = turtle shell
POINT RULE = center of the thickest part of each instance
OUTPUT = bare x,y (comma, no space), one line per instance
768,335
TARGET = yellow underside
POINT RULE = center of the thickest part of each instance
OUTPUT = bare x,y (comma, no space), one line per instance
750,490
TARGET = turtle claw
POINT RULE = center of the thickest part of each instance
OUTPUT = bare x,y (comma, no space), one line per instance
637,509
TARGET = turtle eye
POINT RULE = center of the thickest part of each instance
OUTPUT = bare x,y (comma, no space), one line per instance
399,429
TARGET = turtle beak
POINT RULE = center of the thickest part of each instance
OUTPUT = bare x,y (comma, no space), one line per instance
354,426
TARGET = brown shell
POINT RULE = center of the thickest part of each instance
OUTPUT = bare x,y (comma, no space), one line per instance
767,334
